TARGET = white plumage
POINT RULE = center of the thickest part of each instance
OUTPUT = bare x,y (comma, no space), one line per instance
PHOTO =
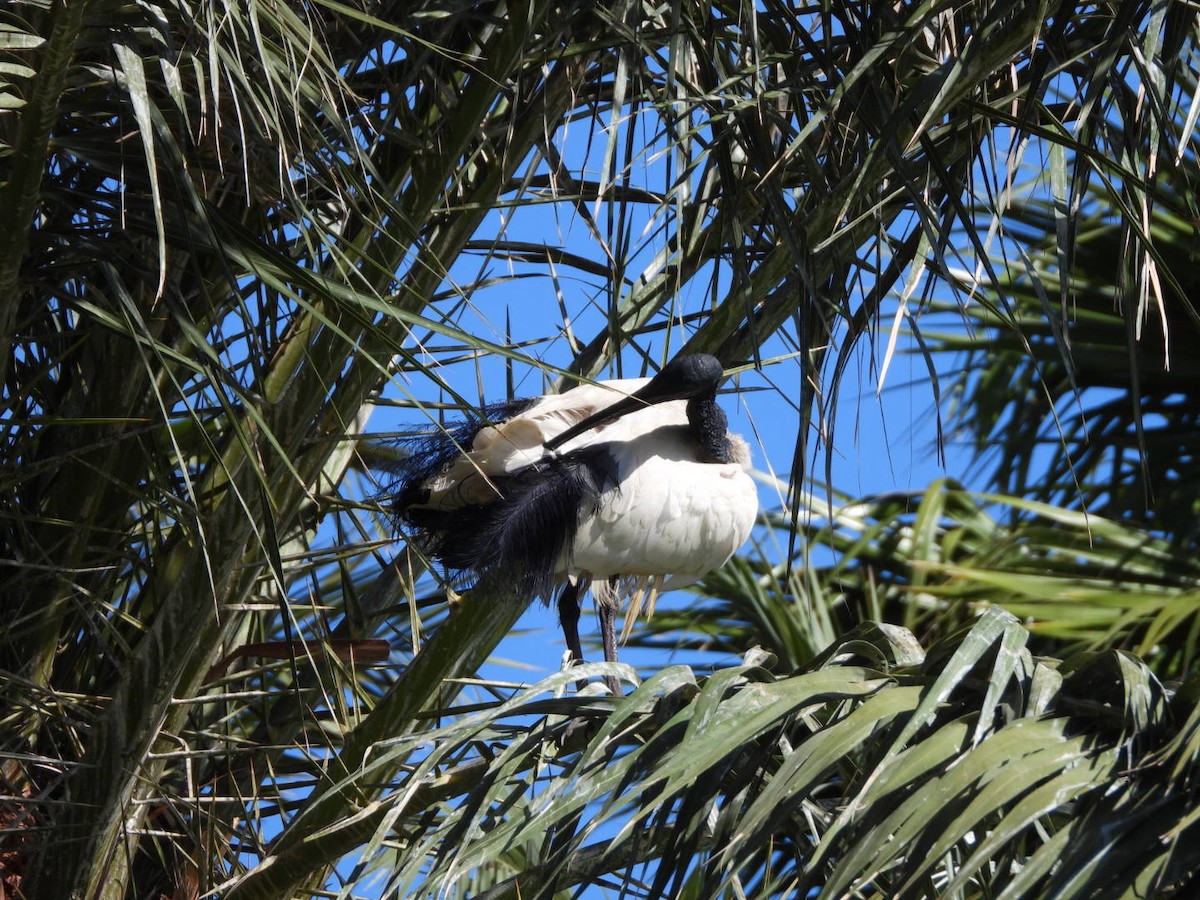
635,481
669,514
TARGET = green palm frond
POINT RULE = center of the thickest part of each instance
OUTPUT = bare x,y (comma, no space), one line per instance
935,561
980,768
1078,385
1104,391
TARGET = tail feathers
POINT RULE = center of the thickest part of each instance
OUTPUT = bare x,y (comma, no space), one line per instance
522,536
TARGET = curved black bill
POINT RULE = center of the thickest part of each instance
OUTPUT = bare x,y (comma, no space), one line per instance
685,377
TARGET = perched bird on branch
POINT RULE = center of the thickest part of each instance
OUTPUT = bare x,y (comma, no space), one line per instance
630,487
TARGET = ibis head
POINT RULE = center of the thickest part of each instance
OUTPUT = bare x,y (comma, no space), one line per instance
693,377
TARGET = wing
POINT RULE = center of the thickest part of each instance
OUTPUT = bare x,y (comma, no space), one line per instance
506,447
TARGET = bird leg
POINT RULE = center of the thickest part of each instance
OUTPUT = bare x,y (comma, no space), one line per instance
606,609
568,617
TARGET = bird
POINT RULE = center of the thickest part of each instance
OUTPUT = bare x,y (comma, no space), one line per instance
624,486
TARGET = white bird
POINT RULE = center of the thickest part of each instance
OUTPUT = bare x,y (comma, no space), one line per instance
633,483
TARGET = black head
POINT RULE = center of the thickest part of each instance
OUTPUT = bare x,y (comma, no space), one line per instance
684,378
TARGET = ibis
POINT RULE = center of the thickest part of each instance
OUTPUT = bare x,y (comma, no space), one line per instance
623,486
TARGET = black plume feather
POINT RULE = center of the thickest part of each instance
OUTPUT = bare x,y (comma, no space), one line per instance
521,536
518,537
428,453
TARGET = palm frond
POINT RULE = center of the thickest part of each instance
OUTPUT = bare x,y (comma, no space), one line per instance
980,768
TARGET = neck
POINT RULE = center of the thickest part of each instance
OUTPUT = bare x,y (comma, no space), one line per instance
710,428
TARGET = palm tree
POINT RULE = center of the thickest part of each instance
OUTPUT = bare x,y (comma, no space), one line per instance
232,233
